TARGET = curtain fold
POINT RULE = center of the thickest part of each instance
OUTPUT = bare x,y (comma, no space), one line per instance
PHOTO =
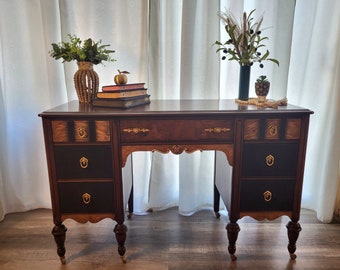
168,45
314,82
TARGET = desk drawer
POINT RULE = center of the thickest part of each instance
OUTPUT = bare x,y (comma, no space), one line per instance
81,131
80,161
268,159
267,195
86,197
272,129
176,130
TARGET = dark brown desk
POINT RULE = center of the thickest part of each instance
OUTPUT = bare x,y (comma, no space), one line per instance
87,147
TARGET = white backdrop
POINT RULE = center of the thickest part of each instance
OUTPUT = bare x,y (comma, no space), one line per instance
167,44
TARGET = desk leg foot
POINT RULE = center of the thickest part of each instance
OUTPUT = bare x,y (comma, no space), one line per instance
120,231
123,258
293,230
63,260
233,257
59,233
233,230
217,214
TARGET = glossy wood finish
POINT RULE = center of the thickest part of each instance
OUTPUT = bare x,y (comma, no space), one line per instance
79,134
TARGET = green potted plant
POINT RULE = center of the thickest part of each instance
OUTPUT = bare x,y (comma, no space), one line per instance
244,45
87,53
262,86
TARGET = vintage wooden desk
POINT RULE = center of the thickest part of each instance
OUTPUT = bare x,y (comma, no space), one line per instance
87,147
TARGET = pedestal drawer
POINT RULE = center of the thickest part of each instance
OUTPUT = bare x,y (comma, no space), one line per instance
86,197
268,159
267,195
90,161
81,131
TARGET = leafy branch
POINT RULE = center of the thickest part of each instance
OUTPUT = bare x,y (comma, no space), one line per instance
86,51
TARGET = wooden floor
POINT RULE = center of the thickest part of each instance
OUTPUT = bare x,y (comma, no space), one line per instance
166,240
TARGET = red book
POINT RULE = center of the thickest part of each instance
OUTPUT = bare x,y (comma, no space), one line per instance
123,87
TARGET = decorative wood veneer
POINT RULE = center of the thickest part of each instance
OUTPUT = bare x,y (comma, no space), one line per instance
87,147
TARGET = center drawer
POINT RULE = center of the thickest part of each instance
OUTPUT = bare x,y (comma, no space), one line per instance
176,130
83,161
86,197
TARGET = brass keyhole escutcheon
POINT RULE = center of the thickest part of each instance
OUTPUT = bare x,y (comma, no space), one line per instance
273,130
267,196
270,160
86,198
82,133
84,162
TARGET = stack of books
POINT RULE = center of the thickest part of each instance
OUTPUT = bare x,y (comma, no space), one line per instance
122,96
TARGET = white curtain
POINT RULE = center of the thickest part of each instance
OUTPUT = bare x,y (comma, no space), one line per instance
314,82
168,45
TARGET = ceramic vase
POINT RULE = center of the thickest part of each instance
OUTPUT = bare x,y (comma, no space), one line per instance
243,91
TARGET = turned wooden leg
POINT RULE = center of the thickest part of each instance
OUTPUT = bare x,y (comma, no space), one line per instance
233,230
120,231
59,233
293,230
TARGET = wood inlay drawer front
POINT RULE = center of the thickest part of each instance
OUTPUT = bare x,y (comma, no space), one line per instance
80,131
86,197
252,129
83,161
176,130
267,195
293,129
269,159
272,129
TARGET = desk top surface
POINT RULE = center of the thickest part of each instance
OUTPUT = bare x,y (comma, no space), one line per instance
172,107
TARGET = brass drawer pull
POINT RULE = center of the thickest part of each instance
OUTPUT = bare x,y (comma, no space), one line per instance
217,130
82,132
270,160
273,130
136,130
86,198
84,162
267,196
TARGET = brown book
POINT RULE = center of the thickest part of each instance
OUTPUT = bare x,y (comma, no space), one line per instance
123,87
123,103
122,93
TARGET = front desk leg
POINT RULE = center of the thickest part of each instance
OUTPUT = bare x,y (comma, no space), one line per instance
59,233
120,231
233,230
293,230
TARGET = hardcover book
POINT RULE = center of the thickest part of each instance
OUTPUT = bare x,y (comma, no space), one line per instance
123,87
122,103
122,93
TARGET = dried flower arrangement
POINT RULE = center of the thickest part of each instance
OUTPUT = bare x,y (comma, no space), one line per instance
245,40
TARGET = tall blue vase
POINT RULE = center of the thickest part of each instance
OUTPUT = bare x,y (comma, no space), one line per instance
243,90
